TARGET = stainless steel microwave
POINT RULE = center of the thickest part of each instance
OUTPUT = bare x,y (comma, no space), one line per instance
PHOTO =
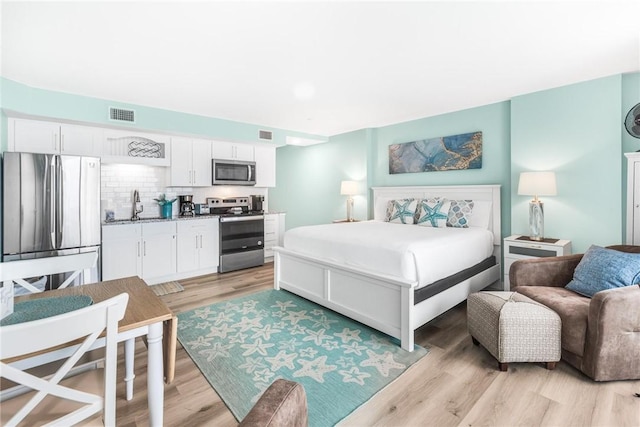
233,172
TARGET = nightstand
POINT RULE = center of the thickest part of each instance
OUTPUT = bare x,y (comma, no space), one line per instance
521,247
336,221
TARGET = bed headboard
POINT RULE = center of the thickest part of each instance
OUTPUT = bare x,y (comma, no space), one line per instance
488,193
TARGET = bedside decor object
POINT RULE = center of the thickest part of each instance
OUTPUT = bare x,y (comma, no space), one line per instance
453,152
349,188
537,184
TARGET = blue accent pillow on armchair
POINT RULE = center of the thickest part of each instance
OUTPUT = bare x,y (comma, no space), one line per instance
601,269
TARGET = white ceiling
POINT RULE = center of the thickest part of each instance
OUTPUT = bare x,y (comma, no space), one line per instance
370,63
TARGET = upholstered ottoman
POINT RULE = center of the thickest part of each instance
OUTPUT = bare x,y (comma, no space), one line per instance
514,328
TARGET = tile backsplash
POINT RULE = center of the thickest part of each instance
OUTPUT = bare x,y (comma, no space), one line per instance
120,180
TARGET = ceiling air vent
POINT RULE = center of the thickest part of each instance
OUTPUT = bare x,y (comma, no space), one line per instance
266,135
122,115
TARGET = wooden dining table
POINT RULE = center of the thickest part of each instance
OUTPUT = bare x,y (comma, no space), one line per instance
146,316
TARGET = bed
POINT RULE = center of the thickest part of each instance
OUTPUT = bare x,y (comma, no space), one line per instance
375,271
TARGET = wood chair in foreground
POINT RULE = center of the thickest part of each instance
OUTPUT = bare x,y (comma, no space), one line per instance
15,272
50,397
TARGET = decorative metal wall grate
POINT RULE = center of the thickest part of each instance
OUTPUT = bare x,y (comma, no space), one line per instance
143,147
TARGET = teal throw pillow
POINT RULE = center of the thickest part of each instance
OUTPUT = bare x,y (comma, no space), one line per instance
402,211
460,213
432,212
601,269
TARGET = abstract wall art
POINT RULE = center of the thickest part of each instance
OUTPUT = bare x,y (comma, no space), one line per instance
454,152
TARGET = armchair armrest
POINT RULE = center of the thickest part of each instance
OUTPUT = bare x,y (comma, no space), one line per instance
551,271
612,348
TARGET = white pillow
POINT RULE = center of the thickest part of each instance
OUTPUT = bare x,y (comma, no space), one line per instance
481,214
402,211
433,212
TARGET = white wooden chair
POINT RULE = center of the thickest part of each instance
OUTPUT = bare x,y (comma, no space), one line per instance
86,324
15,272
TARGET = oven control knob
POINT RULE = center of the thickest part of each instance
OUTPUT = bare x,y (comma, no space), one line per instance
259,242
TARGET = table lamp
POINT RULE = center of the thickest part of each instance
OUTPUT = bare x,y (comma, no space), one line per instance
349,188
537,184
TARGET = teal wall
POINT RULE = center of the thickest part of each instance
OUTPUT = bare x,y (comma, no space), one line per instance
630,97
492,120
309,178
575,131
62,106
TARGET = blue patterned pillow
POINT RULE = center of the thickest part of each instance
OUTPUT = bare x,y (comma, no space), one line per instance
433,212
460,213
401,211
601,269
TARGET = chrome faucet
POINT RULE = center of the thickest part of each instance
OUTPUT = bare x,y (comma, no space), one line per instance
137,206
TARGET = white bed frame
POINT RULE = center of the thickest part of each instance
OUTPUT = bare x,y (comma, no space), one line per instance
386,303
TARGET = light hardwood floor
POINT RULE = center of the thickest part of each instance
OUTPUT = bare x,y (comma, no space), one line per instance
456,384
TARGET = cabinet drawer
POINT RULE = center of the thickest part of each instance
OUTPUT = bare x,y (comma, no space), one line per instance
119,232
532,251
270,224
153,228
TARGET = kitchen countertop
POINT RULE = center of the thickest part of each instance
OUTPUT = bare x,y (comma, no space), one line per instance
158,219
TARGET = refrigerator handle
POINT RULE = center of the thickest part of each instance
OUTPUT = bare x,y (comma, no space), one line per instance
52,200
60,204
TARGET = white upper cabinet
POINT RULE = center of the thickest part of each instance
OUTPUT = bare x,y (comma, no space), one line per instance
136,147
265,156
34,136
81,140
232,151
201,154
190,162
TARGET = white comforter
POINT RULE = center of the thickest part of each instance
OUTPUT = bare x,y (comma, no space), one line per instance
416,253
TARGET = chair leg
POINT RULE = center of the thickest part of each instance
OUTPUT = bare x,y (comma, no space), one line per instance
503,366
550,365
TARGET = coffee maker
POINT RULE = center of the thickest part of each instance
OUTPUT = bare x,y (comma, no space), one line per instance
187,207
257,203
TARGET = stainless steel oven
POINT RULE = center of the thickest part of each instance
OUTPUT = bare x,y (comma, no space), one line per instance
241,241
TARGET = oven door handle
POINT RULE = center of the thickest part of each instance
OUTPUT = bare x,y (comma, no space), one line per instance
241,218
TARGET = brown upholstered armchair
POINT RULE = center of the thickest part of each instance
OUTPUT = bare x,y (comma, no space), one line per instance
600,335
283,404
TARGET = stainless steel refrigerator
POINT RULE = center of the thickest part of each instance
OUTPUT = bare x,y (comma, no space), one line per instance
51,207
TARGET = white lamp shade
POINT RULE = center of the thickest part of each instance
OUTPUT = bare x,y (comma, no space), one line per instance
349,188
537,184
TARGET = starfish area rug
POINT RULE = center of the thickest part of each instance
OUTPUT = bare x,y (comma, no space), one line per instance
242,345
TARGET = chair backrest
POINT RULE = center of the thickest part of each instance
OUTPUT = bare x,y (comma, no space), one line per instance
85,324
15,272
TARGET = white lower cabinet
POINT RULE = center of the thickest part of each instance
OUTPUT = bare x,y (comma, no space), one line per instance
273,232
158,249
147,250
198,245
121,251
